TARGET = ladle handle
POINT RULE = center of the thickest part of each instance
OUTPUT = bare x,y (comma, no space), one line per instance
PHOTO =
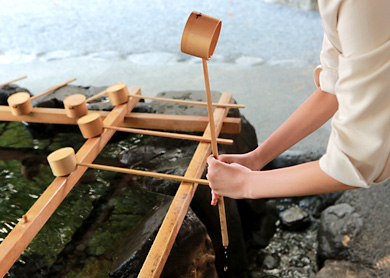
145,173
96,96
170,135
12,81
221,203
53,88
189,102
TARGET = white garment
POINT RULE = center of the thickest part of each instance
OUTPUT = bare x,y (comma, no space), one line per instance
355,61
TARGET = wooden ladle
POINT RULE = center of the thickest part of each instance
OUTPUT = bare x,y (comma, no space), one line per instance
200,37
20,103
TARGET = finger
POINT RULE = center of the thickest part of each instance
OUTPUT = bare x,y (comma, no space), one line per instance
214,198
210,160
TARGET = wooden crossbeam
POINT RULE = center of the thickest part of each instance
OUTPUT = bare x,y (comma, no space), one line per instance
23,233
162,245
133,120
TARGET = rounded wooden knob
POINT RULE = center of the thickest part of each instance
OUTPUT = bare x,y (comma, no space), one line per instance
200,35
118,93
91,125
75,106
62,162
20,104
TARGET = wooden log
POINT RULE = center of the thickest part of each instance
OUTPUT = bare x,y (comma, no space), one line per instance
22,234
166,236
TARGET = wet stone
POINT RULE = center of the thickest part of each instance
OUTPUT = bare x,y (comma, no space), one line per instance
294,218
268,261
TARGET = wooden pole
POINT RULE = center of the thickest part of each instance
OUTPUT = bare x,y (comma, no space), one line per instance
135,120
162,245
189,102
53,88
12,81
171,135
145,173
221,203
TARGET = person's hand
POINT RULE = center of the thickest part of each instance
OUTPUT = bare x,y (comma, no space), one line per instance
247,159
227,179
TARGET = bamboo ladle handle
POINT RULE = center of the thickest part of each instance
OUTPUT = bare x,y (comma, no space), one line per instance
145,173
53,88
12,81
171,135
97,96
221,202
188,102
64,161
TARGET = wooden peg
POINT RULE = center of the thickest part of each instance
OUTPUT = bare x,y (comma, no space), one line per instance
118,93
12,81
75,106
20,103
91,125
63,162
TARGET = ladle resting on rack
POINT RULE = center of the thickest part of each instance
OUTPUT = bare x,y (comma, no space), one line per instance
63,162
20,103
91,125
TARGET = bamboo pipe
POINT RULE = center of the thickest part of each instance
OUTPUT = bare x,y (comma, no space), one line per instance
20,103
189,102
91,125
12,81
63,162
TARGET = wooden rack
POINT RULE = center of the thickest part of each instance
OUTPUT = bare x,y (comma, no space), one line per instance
31,223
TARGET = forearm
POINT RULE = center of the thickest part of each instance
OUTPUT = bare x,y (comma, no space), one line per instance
300,180
311,115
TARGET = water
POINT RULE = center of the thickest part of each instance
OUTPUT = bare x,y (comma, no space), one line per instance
47,30
82,235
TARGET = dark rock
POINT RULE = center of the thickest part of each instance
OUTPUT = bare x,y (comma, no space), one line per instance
173,156
9,90
268,261
192,240
340,225
367,244
345,269
295,218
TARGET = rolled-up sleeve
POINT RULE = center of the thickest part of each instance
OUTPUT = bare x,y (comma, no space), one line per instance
359,144
328,74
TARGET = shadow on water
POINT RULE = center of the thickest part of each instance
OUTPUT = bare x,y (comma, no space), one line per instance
83,234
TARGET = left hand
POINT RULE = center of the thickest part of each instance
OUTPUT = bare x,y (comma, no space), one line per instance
227,179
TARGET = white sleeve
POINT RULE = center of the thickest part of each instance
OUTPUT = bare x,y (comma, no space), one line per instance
326,75
359,144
